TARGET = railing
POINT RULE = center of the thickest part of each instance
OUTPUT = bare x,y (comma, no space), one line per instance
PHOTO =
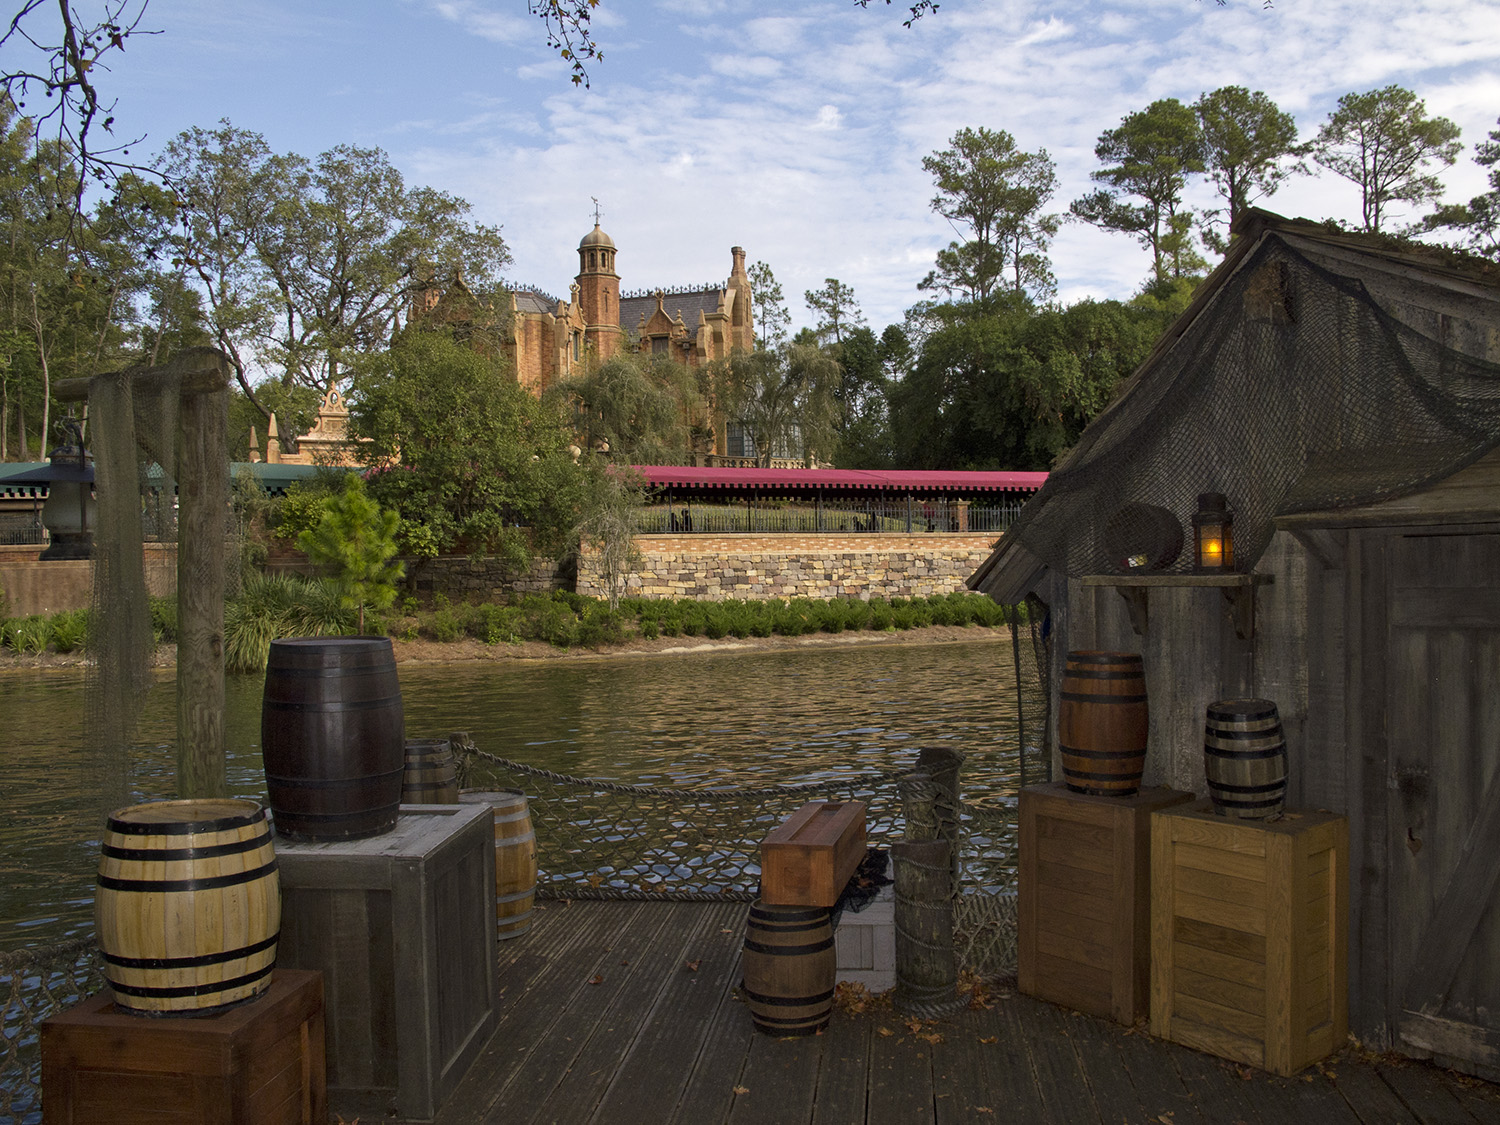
22,530
902,516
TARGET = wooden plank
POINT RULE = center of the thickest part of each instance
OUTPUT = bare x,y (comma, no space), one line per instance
1221,836
1218,886
1062,900
1370,1098
1097,1047
1216,1088
1060,1077
1217,990
1080,879
1008,1059
843,1075
1286,919
1424,1092
1234,943
1229,915
963,1089
1212,963
900,1087
709,1094
1233,865
1067,980
778,1082
1055,922
1246,1025
1369,760
1159,1087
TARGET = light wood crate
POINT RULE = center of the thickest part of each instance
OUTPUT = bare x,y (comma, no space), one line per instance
1249,935
1084,901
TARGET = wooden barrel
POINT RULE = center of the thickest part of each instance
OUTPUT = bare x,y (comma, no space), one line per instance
515,858
188,905
332,737
1102,723
430,777
1244,759
789,964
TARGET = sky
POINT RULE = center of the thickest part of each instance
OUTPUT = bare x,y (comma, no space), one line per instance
793,129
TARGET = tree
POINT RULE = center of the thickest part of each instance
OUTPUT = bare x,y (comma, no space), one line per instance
1478,219
787,399
1384,141
644,409
864,430
466,456
608,526
836,308
993,194
1248,148
355,539
771,316
1152,153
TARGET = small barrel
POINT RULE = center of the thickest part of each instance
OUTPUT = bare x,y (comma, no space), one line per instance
332,737
1244,759
515,859
430,777
188,906
1102,723
789,965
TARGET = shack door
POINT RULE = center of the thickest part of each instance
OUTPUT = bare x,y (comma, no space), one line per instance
1443,730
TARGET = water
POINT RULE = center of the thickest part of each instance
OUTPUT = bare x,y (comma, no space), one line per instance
694,719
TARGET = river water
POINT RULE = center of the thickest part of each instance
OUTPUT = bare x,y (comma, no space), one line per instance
694,719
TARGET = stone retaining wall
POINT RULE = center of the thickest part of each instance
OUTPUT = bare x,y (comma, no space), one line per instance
713,568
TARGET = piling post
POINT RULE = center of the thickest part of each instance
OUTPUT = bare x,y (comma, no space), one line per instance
926,964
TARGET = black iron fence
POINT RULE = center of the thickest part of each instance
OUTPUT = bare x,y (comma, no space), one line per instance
903,515
22,529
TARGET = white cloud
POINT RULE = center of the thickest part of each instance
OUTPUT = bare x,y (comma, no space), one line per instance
828,119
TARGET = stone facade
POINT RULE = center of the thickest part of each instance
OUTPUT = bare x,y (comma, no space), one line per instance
757,567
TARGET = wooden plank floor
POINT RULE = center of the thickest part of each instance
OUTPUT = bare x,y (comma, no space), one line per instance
624,1012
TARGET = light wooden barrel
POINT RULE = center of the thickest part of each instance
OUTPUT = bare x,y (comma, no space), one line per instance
789,964
1102,723
331,737
430,777
188,905
1244,759
515,859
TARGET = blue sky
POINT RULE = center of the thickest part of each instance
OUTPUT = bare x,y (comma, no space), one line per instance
795,130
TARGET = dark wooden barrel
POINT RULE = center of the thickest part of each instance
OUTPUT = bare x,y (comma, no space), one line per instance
515,859
1102,723
1244,758
430,777
187,908
332,737
789,964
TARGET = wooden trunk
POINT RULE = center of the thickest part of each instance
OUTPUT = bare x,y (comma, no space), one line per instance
809,857
1084,899
403,928
1249,935
261,1063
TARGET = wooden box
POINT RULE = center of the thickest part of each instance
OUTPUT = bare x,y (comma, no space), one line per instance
865,943
1249,935
402,927
810,856
1084,901
260,1063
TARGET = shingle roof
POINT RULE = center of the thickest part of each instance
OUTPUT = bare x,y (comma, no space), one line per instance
689,304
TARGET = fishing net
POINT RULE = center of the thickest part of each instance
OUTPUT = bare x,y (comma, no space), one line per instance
1314,377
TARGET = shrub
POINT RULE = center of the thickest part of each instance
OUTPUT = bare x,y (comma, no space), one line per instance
164,619
443,626
69,630
28,634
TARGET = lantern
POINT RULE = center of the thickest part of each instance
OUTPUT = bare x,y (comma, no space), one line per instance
69,512
1213,534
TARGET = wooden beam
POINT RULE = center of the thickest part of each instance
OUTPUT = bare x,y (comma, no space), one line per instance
1325,546
201,371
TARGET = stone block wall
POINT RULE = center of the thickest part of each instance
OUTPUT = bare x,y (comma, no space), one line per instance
713,568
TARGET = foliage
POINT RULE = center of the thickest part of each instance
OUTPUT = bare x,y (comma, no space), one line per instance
355,539
1478,219
772,321
1384,141
69,629
643,408
163,619
836,309
27,634
279,605
463,452
993,194
300,508
864,392
607,528
1249,146
1149,157
787,399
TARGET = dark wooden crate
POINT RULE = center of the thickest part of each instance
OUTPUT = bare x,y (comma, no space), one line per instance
403,928
1249,924
808,858
260,1063
1084,901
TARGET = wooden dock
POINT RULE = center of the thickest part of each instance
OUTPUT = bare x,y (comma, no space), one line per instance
624,1012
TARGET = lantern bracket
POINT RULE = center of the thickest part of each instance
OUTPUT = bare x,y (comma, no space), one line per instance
1238,590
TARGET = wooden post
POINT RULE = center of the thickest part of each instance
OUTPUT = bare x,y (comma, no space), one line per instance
918,799
926,965
942,764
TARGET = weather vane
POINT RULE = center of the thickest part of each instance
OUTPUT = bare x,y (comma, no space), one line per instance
595,198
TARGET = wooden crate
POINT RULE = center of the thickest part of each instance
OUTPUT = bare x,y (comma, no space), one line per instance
865,943
810,856
1249,931
1084,901
260,1063
403,928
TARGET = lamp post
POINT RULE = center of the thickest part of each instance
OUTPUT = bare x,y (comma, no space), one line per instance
68,514
1213,534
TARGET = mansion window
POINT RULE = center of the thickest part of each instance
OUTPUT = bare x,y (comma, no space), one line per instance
659,345
577,345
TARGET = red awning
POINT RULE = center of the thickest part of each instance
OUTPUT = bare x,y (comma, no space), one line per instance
836,480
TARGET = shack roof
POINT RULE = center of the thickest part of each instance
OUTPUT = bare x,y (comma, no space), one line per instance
689,477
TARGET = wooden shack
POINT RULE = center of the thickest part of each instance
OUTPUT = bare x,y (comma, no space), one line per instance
1343,392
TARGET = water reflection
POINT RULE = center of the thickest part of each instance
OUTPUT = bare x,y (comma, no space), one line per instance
696,719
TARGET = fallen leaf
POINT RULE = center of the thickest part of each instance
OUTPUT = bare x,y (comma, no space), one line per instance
1165,1118
989,1038
692,966
983,1109
726,931
885,1031
1244,1072
742,1089
913,1026
933,1037
624,962
597,978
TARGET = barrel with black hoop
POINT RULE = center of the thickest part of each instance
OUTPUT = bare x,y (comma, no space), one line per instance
1102,723
1244,759
187,908
332,737
789,964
